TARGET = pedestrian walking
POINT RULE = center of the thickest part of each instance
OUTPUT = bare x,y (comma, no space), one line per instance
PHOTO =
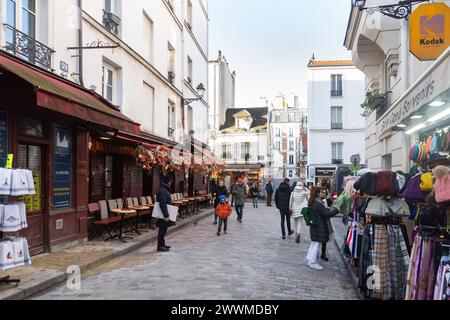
164,198
320,233
282,199
269,192
240,197
298,201
254,193
232,189
223,211
221,190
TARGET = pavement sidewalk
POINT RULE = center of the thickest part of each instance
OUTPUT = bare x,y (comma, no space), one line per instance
49,270
339,237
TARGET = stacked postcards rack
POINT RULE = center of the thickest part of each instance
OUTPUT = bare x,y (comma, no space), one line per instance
14,252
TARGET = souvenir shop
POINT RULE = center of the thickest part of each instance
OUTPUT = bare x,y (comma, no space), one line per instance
45,125
398,237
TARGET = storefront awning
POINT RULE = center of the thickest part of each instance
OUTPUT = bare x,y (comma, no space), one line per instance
63,96
243,167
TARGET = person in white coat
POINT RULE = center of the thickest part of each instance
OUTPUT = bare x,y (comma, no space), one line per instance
299,200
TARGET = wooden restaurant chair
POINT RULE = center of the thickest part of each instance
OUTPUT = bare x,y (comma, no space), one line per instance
107,223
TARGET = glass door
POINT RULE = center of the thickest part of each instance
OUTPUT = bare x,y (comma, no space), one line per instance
30,157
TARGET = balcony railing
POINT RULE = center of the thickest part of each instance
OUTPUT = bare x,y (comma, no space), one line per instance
337,126
336,93
22,45
381,105
337,161
111,22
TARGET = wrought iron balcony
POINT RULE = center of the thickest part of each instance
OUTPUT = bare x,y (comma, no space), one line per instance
381,105
337,161
337,126
336,93
111,22
22,45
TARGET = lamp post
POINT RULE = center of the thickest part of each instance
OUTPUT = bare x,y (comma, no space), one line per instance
401,10
185,102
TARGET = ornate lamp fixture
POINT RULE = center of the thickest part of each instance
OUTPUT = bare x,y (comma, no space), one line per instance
401,10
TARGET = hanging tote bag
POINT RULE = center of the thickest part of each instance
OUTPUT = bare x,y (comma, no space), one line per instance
442,186
412,192
385,183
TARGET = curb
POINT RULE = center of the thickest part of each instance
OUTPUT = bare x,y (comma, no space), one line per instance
353,276
53,278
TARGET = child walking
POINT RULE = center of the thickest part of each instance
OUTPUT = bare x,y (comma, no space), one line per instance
223,211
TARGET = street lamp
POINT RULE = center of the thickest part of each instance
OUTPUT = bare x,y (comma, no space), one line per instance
201,93
401,10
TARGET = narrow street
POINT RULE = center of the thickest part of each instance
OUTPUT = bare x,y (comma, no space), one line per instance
251,262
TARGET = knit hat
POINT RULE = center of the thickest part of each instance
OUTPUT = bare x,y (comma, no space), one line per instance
222,198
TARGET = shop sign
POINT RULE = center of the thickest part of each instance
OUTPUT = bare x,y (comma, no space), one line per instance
422,94
429,31
325,172
3,138
62,171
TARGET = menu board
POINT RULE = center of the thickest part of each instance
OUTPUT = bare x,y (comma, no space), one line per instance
62,171
3,138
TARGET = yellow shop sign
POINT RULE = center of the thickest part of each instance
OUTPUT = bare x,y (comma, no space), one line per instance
429,28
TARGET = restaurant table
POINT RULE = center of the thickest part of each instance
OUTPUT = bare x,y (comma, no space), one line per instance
139,210
123,213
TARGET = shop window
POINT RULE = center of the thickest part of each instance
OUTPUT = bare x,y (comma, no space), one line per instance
30,157
31,127
109,177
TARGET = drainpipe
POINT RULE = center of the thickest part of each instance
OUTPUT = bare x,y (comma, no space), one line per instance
405,69
80,43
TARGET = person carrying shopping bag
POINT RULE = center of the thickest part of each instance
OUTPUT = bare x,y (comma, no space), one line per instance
320,232
298,201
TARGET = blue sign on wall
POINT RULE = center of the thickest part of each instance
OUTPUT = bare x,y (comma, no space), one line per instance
62,169
3,138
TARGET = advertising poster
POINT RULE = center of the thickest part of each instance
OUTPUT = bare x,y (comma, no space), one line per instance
62,172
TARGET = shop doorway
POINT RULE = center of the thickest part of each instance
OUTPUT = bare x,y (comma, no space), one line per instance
32,157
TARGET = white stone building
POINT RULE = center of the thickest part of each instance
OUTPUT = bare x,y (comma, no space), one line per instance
335,123
380,49
221,94
243,140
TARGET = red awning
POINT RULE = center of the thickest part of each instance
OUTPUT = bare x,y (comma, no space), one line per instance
63,96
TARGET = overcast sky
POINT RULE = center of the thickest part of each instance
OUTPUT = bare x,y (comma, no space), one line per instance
269,42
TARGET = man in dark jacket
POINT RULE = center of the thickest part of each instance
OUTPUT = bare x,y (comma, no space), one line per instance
282,198
269,192
221,190
164,197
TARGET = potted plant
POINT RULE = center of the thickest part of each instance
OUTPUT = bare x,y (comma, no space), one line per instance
374,100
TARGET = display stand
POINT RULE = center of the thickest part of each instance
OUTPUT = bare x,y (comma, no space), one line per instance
23,224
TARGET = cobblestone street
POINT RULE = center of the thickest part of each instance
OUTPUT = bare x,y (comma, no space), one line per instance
251,262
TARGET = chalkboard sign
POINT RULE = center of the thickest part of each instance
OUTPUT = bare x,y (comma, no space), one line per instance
62,170
3,138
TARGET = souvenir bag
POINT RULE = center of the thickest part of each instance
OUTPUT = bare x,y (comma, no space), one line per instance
426,182
6,255
434,144
442,185
19,253
428,144
412,191
385,183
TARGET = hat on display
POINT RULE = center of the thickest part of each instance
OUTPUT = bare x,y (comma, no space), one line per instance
414,153
437,159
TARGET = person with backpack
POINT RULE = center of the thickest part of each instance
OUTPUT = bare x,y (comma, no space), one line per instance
240,197
232,187
320,226
269,192
254,193
221,190
223,211
282,199
298,201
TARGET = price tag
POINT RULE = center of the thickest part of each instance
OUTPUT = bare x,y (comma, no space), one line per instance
9,161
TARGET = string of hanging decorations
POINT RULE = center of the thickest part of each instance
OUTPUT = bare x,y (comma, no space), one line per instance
166,158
